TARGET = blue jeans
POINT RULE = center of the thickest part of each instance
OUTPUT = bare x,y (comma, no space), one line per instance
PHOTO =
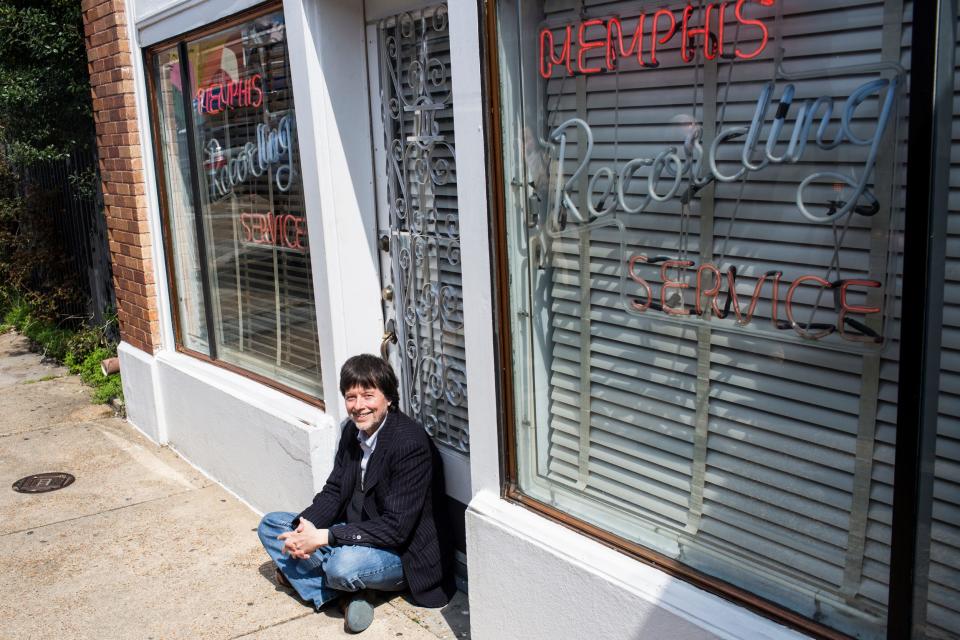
330,571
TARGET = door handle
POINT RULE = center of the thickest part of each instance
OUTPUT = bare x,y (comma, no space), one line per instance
388,337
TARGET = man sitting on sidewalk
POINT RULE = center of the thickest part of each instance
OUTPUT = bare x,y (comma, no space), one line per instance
377,522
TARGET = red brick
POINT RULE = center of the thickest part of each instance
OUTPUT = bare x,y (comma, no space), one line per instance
118,139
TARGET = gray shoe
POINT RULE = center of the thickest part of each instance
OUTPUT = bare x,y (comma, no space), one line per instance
358,614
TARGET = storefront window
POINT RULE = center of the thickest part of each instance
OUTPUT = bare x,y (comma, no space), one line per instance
704,223
230,148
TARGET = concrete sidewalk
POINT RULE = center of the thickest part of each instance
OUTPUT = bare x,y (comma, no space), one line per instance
142,545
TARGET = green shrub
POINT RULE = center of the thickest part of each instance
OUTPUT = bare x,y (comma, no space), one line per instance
80,351
89,368
110,389
53,340
17,314
104,387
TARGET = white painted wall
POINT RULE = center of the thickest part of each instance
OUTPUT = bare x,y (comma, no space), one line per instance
159,20
138,375
478,322
270,449
534,579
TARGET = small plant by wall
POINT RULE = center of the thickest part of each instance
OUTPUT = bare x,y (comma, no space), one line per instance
80,350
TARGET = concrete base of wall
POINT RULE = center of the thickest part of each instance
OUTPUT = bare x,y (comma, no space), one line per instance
532,578
138,374
271,450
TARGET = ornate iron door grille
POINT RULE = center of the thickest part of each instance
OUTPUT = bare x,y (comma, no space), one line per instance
417,114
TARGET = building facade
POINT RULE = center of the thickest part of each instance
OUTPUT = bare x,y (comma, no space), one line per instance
642,269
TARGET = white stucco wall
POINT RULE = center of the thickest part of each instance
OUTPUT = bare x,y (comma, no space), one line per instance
271,450
533,579
158,20
138,375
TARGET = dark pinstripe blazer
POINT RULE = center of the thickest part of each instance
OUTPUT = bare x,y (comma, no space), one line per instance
403,492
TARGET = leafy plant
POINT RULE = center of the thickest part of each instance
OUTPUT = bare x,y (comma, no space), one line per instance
45,107
81,351
45,113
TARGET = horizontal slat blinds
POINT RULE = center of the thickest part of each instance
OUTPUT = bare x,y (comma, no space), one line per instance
417,113
749,449
247,162
943,597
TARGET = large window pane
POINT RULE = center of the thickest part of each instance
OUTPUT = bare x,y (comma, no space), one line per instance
704,237
181,217
253,225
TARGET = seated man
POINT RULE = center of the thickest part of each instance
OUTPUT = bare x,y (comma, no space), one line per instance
377,522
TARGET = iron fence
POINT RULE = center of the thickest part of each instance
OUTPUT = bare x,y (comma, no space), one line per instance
72,190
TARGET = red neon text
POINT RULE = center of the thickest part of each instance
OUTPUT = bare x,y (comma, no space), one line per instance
284,230
218,96
569,46
718,298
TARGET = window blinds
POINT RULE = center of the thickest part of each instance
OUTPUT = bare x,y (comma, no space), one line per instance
943,598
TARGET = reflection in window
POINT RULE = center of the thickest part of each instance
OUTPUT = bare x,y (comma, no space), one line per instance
181,219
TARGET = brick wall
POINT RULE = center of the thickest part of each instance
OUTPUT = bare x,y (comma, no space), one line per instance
121,168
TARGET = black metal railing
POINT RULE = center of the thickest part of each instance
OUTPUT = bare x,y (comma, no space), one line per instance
72,192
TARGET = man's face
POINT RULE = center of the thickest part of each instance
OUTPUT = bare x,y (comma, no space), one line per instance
367,407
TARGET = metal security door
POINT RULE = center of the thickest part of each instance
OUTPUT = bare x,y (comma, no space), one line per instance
418,219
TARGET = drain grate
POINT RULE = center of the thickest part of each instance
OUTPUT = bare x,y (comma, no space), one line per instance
43,482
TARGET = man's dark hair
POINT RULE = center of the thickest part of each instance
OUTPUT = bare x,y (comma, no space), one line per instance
369,371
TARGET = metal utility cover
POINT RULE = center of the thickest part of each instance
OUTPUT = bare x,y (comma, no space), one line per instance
43,482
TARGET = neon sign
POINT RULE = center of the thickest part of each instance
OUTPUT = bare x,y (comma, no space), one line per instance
219,96
681,171
283,230
709,287
271,152
656,29
671,166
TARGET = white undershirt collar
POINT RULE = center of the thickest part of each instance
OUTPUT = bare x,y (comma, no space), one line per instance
368,445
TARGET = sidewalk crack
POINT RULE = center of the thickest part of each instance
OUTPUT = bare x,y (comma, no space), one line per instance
247,634
112,509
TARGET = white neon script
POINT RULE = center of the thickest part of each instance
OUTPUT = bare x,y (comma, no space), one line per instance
669,168
273,149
